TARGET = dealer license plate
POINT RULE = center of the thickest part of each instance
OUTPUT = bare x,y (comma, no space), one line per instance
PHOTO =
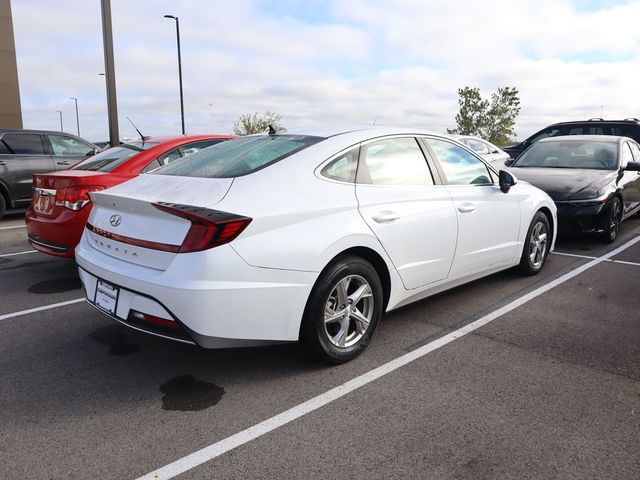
106,296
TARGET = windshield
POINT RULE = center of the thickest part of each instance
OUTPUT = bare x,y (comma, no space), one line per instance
570,154
113,157
238,157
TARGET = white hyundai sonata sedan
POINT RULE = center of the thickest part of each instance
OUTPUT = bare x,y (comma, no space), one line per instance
305,237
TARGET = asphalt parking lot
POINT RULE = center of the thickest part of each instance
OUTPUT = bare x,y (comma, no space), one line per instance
506,377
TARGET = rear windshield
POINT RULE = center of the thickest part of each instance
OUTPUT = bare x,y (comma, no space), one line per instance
238,157
113,157
571,154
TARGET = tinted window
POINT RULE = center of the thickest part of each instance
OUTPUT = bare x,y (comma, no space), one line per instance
547,132
168,157
151,167
599,155
23,144
459,166
109,159
196,146
63,145
394,161
343,168
238,157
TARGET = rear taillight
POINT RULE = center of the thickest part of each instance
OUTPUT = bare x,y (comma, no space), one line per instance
209,228
76,197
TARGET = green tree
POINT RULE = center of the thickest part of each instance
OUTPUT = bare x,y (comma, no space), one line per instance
492,120
251,123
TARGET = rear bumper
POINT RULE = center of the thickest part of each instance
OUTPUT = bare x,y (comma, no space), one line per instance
215,299
56,236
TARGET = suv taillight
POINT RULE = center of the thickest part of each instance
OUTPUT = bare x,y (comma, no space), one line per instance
74,198
209,228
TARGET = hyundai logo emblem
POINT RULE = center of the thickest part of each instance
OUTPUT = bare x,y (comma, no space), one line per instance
115,220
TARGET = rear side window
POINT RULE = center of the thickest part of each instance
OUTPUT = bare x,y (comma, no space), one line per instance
343,168
197,146
63,145
22,144
238,157
459,166
394,161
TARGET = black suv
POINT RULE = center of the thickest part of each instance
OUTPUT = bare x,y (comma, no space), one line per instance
25,152
629,127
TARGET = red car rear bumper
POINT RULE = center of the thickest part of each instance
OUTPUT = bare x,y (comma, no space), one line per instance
57,236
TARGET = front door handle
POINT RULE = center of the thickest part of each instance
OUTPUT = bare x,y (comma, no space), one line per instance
467,208
386,216
63,162
3,163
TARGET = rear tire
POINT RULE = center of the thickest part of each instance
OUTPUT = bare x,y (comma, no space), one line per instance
536,245
614,219
343,311
3,205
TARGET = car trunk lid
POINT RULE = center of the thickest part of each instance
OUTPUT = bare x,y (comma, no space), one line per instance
133,223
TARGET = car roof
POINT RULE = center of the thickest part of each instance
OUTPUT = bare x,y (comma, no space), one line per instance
585,138
630,121
364,132
26,130
171,138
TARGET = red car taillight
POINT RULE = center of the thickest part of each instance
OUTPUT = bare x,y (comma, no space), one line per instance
209,228
74,198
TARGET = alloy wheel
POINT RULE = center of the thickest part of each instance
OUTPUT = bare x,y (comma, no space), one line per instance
538,244
614,220
348,311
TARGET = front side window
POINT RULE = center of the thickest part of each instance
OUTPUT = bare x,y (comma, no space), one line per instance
343,167
394,161
459,166
627,156
598,155
238,157
63,145
636,151
22,144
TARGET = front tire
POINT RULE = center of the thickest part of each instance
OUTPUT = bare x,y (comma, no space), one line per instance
3,206
343,311
536,246
614,219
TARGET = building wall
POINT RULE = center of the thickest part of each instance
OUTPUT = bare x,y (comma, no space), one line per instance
10,110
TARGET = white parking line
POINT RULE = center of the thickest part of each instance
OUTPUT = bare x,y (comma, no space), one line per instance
612,260
9,228
218,448
40,309
17,253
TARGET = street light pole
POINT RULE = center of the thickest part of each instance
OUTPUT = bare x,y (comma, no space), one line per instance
61,127
179,68
110,73
77,116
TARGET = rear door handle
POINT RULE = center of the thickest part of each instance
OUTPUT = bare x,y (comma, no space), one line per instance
4,164
467,208
63,162
386,216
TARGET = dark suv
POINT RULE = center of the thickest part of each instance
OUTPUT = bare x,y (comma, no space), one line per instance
629,127
25,152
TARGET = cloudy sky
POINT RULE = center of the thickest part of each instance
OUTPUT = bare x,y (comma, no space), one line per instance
395,62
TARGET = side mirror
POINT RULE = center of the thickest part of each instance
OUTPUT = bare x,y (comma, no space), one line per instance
508,162
506,180
632,167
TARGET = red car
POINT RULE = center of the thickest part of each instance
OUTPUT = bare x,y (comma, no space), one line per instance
61,204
